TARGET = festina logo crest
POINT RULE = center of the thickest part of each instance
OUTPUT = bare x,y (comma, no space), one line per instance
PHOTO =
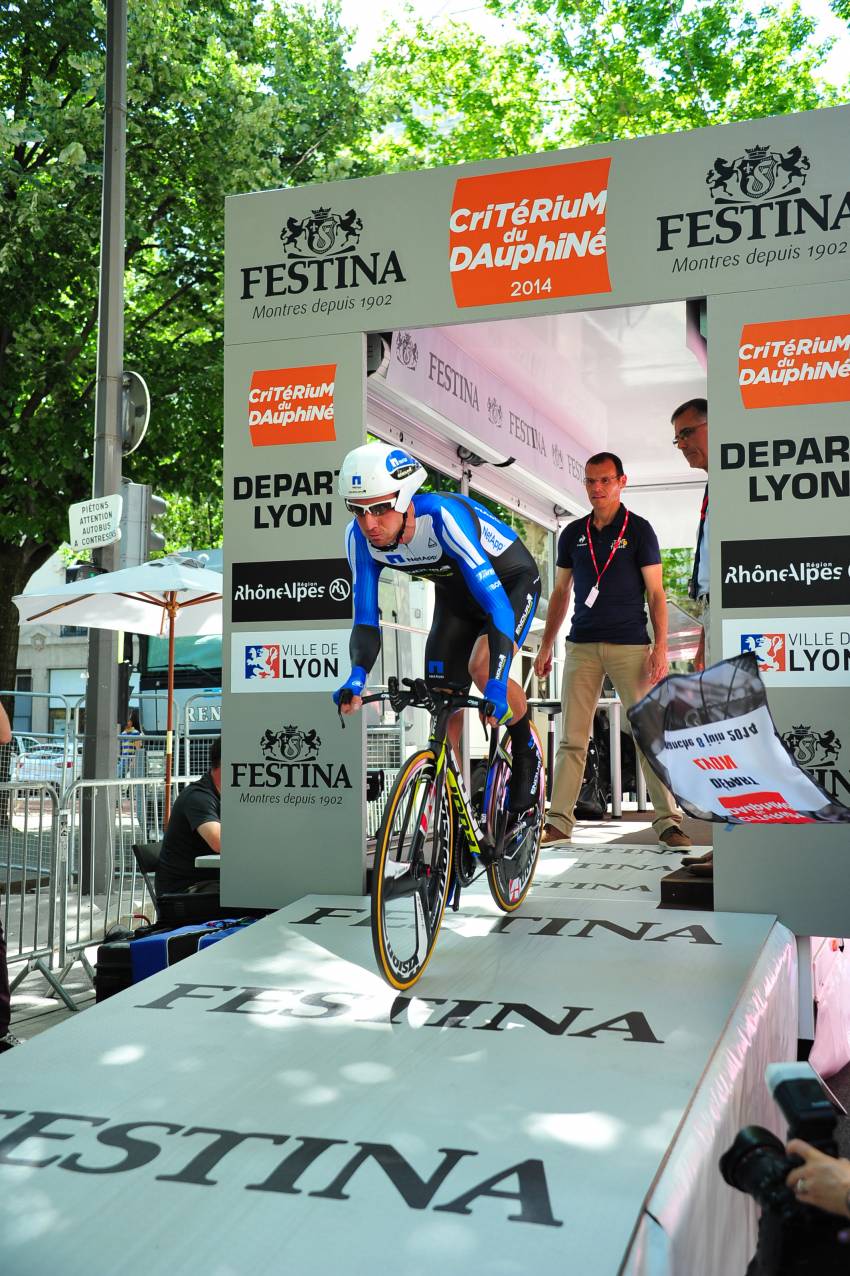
762,194
406,351
290,744
322,234
494,412
291,770
818,752
811,748
758,174
322,254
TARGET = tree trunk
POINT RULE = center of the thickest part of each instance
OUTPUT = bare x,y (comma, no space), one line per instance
17,564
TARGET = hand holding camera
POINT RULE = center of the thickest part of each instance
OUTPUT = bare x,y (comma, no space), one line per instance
798,1232
821,1180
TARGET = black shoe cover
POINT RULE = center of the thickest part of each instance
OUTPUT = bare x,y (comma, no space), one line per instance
525,777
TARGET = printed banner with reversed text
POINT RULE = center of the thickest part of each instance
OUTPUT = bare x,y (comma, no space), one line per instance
712,740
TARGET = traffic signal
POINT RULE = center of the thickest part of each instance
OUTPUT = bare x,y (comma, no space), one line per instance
157,506
139,539
82,571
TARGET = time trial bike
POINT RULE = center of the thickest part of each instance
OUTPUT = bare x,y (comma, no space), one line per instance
432,842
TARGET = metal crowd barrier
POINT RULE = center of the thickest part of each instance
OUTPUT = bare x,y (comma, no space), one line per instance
100,885
29,878
42,756
67,869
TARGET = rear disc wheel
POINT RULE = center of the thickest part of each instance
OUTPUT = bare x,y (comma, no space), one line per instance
511,874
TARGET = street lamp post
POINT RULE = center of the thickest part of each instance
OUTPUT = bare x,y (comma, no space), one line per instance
100,755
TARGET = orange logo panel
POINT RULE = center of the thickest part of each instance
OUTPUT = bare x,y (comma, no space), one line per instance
795,362
292,405
763,808
538,232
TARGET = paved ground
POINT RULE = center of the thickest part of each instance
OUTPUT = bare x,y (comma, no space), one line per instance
35,1008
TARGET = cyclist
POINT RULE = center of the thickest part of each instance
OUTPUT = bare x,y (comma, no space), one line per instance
486,591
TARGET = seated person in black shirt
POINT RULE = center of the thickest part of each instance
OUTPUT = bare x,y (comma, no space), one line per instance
194,828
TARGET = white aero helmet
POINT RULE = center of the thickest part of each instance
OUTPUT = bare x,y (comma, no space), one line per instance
375,469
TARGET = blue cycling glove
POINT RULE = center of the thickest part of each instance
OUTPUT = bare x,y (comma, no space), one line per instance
497,693
355,683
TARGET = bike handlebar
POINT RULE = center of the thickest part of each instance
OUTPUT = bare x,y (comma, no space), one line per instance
418,694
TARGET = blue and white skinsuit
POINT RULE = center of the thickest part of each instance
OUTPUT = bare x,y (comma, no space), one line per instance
485,581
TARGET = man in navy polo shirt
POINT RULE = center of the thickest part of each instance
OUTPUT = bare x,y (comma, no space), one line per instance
612,560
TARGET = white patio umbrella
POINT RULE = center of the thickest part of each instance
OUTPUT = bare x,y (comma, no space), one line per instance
164,596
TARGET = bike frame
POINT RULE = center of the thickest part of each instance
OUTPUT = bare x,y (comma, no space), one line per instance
446,774
478,839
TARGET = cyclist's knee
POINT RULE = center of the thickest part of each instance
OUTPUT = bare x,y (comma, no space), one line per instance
517,699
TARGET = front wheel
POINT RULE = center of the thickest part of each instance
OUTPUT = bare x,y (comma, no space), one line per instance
411,873
512,872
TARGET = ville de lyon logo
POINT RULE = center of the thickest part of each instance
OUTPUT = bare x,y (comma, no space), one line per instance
758,174
322,234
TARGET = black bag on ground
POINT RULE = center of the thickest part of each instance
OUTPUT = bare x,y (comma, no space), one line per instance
113,971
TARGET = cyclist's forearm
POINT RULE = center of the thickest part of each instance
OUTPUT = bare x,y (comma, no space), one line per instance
364,646
501,654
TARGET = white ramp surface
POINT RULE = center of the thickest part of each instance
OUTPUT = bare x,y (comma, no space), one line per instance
272,1105
602,872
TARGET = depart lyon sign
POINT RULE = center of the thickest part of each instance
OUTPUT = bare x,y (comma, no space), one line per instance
753,216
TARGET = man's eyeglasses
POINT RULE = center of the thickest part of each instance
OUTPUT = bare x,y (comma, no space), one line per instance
601,482
684,435
360,511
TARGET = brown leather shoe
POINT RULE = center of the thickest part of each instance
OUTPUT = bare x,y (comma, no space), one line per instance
553,836
674,838
701,868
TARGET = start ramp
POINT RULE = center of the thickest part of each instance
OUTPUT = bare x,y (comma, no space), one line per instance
272,1101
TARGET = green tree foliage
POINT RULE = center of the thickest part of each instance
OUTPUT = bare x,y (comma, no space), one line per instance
193,522
233,95
660,66
676,567
448,97
223,96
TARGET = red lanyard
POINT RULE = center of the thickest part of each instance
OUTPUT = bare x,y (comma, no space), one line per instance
614,548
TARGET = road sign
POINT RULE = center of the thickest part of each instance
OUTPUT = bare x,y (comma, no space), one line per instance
95,523
135,411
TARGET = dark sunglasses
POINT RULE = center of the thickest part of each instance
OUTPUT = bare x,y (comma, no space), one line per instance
360,511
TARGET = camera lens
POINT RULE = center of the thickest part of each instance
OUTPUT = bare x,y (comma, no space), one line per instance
755,1163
